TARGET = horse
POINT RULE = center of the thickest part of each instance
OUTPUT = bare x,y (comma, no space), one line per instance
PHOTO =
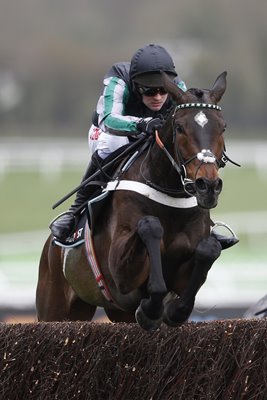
152,242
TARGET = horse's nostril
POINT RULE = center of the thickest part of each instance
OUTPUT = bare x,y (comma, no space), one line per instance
190,188
219,186
204,186
201,185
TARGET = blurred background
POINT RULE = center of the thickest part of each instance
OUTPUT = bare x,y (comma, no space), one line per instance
53,55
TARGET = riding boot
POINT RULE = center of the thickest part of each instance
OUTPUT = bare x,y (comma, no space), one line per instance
63,226
225,241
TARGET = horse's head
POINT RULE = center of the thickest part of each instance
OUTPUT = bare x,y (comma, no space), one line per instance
198,151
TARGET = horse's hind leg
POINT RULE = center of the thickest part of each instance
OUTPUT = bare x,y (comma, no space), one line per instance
80,311
149,313
178,310
120,316
50,298
55,299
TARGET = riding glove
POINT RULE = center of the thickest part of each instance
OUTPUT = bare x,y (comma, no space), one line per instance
149,125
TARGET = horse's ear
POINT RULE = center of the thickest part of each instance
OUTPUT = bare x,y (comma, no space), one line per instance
174,91
219,87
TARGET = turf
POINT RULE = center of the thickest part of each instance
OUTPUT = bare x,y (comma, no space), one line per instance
27,197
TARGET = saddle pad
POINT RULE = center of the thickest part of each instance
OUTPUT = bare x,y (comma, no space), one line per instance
82,235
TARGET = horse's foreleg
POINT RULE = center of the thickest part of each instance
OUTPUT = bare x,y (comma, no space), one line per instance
178,311
149,313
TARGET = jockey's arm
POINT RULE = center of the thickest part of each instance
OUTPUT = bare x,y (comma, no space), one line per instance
111,108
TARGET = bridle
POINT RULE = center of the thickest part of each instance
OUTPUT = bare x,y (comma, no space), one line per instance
205,156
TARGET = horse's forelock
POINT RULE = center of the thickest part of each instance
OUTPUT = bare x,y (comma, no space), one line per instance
196,92
198,95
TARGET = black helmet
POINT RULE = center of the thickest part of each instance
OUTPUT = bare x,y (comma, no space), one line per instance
148,62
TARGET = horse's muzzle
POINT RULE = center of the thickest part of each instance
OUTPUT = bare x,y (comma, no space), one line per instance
206,191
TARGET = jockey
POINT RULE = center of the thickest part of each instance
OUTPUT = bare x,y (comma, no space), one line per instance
134,102
133,95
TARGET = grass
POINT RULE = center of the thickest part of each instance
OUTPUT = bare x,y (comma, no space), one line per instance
244,189
27,197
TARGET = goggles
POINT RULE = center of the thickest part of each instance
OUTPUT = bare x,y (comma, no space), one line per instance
151,91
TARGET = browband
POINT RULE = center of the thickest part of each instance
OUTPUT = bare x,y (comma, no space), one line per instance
198,105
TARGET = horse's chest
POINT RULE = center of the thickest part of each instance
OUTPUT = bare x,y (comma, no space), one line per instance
179,247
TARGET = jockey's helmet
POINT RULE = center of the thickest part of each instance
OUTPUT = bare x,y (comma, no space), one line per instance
148,63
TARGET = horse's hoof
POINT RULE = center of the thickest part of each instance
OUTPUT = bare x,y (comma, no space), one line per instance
175,315
145,322
170,322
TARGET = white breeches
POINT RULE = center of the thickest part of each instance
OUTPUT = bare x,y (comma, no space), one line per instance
104,143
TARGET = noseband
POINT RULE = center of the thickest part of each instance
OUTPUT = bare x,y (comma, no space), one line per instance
205,156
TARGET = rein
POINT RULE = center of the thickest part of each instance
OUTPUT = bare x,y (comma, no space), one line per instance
180,168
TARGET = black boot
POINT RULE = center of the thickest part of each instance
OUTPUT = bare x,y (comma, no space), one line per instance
225,241
63,226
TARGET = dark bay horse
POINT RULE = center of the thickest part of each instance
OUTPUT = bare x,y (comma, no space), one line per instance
152,241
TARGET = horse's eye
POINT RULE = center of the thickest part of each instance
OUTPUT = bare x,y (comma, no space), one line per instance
179,128
224,128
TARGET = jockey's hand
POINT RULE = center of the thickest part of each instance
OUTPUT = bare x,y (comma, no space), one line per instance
149,125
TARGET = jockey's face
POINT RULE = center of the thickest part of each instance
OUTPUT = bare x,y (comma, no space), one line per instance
155,102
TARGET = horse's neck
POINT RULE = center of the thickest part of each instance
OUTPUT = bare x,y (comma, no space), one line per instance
157,169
